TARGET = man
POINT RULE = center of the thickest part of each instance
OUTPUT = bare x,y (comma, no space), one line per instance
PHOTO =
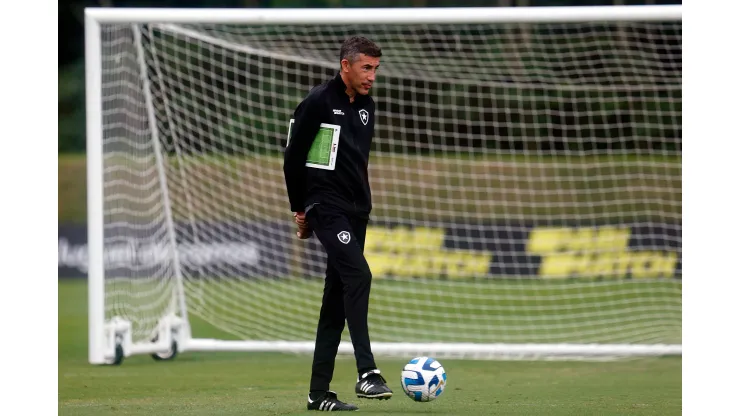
334,205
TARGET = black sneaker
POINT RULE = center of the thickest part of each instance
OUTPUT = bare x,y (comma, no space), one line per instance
329,403
371,385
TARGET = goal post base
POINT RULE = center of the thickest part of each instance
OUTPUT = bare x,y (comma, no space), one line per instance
171,331
449,350
163,347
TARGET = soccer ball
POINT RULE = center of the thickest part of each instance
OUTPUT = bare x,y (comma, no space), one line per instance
423,379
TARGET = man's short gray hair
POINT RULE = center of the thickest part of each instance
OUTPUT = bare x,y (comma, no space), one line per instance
356,45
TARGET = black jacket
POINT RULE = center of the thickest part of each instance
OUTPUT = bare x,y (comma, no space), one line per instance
346,187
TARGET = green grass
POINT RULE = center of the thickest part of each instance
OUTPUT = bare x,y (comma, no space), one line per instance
619,188
72,189
276,384
491,311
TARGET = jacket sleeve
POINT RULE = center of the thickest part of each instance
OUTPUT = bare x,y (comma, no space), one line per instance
307,122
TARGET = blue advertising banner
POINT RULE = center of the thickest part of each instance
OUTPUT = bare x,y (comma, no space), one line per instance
448,251
208,249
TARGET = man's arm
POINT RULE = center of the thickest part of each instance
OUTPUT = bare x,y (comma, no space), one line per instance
306,126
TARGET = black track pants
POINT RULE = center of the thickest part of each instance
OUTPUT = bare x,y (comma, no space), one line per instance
346,291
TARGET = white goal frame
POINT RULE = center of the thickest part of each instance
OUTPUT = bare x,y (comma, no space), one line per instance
110,341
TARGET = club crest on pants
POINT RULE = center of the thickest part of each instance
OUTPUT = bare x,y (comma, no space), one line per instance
343,237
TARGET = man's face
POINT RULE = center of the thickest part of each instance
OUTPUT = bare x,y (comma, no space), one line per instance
361,72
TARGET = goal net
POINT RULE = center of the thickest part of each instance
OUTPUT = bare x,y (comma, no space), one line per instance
526,179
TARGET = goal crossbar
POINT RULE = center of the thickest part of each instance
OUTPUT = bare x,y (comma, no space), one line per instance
401,15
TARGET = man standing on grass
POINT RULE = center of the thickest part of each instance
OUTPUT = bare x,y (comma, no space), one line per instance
332,201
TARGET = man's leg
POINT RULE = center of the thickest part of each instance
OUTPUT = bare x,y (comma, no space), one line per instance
361,304
328,333
344,249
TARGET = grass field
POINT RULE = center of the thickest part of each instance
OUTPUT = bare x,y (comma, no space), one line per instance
484,310
276,384
620,188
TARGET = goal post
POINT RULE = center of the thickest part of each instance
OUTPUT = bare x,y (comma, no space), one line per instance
526,178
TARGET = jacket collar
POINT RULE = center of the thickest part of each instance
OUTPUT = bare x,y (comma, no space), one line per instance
341,88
